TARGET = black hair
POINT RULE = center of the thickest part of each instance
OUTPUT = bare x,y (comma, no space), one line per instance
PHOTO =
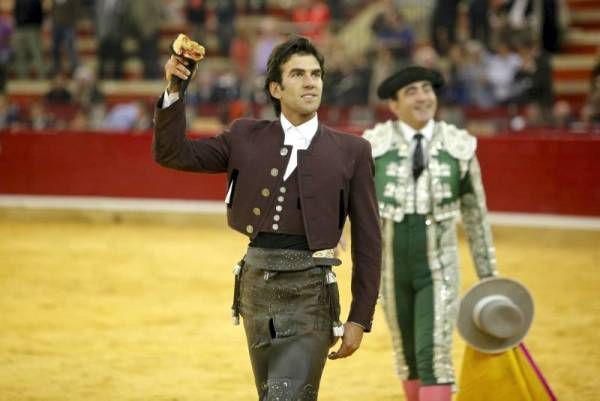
280,55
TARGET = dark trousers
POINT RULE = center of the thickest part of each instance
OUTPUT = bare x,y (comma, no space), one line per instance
288,327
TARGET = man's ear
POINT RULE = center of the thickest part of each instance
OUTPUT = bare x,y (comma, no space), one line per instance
392,105
275,89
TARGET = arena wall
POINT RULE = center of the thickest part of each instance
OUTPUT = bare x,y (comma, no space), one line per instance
525,172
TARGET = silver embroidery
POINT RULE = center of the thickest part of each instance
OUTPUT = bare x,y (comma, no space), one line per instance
444,272
477,227
308,393
388,297
279,390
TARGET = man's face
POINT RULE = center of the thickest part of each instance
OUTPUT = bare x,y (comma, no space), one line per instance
415,104
300,89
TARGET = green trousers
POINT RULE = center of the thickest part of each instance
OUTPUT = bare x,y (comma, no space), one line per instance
411,292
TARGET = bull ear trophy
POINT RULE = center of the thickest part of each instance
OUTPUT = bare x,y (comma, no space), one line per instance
192,52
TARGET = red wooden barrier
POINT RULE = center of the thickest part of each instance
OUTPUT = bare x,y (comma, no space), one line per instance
556,173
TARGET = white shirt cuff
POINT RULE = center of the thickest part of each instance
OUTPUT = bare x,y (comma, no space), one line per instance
169,99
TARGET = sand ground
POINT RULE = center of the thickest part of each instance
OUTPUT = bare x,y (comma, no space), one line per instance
131,309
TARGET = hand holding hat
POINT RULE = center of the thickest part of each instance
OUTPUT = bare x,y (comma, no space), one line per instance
186,52
495,315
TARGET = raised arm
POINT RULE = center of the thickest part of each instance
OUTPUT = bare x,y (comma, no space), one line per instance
171,148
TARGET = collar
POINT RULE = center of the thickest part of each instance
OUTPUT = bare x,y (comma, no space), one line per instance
409,131
305,131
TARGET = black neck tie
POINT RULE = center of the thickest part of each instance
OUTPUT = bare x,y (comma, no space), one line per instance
418,160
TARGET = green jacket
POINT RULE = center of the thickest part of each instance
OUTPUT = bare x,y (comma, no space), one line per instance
452,183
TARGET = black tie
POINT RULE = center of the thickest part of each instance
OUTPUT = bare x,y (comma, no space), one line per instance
418,162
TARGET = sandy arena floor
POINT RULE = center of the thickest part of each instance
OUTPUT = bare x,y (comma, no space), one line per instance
122,311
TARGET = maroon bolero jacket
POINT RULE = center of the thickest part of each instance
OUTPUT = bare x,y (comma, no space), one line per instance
335,177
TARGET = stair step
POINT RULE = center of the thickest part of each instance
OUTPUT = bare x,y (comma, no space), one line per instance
586,25
574,62
571,74
585,15
576,100
577,48
578,5
572,87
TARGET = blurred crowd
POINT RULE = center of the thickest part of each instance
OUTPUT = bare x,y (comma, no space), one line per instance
496,57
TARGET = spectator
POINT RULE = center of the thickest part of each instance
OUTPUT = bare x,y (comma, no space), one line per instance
513,18
59,93
79,122
9,114
127,117
474,72
353,87
226,87
533,80
393,33
268,38
383,67
590,113
196,16
443,25
65,14
96,116
226,13
455,88
38,119
200,89
5,50
110,31
562,115
146,17
311,18
258,7
501,71
87,91
427,57
552,25
336,9
241,52
27,38
479,22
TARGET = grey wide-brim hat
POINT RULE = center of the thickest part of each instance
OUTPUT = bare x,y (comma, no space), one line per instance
495,315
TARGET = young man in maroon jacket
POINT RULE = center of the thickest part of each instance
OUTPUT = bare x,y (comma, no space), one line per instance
291,184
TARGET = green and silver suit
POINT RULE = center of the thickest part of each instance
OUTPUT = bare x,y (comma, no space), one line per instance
420,279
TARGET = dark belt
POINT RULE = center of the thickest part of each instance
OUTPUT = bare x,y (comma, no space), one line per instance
286,260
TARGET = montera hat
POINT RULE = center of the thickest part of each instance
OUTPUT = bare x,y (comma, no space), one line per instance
495,315
388,88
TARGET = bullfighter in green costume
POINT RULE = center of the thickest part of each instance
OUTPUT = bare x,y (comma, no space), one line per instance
426,175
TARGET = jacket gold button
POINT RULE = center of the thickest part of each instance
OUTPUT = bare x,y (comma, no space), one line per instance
283,190
279,208
274,172
249,229
275,227
265,192
276,217
280,199
256,211
283,151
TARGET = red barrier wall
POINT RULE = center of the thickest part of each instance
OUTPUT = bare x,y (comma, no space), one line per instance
556,173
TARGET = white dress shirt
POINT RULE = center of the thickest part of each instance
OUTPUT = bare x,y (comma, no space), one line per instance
409,132
299,137
169,99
